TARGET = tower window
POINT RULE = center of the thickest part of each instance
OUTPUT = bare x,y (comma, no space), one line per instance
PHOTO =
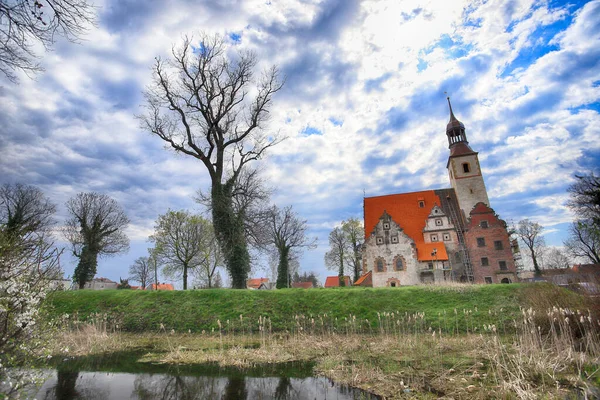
446,237
380,265
466,168
498,244
386,225
481,242
484,224
438,222
434,238
379,240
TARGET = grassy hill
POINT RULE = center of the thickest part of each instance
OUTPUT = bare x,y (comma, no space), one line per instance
449,308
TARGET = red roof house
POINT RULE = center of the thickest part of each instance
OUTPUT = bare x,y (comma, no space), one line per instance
161,286
334,281
255,283
303,285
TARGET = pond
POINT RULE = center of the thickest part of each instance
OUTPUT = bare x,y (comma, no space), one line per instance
275,381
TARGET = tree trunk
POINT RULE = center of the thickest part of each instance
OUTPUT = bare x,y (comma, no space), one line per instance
86,268
185,276
283,268
229,230
357,271
155,273
341,271
536,266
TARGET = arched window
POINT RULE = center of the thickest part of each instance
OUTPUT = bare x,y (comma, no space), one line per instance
399,264
379,265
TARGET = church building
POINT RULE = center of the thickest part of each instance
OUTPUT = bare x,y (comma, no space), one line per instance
438,235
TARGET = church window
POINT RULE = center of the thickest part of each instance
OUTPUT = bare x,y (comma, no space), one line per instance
488,279
434,238
502,265
485,262
446,237
379,240
399,264
484,224
438,222
498,244
480,242
466,168
421,204
380,265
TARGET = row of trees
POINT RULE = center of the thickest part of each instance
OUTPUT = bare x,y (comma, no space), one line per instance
95,227
185,246
345,242
583,243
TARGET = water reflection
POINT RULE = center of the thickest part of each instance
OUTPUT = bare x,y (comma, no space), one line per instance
100,385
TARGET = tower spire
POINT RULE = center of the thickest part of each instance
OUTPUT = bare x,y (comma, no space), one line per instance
455,130
452,117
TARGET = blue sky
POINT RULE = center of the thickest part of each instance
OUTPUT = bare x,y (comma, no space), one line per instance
363,107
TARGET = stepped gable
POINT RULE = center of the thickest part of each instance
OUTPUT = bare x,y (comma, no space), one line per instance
405,209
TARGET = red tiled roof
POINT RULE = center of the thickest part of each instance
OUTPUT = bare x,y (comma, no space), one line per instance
303,285
255,282
362,278
162,286
586,268
405,211
425,250
334,281
461,149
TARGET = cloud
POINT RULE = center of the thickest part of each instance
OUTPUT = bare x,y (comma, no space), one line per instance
363,107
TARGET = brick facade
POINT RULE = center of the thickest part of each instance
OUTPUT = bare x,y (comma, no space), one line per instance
489,246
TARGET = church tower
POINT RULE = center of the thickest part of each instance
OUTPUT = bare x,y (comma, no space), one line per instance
463,167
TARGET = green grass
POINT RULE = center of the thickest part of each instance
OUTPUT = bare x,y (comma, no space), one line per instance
198,310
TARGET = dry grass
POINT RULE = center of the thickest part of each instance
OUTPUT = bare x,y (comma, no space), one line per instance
550,353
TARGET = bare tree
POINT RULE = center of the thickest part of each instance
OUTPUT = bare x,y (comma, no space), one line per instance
338,252
141,271
584,233
199,104
23,23
182,241
287,234
210,261
154,261
96,228
354,231
555,258
530,234
250,202
25,209
584,242
585,198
